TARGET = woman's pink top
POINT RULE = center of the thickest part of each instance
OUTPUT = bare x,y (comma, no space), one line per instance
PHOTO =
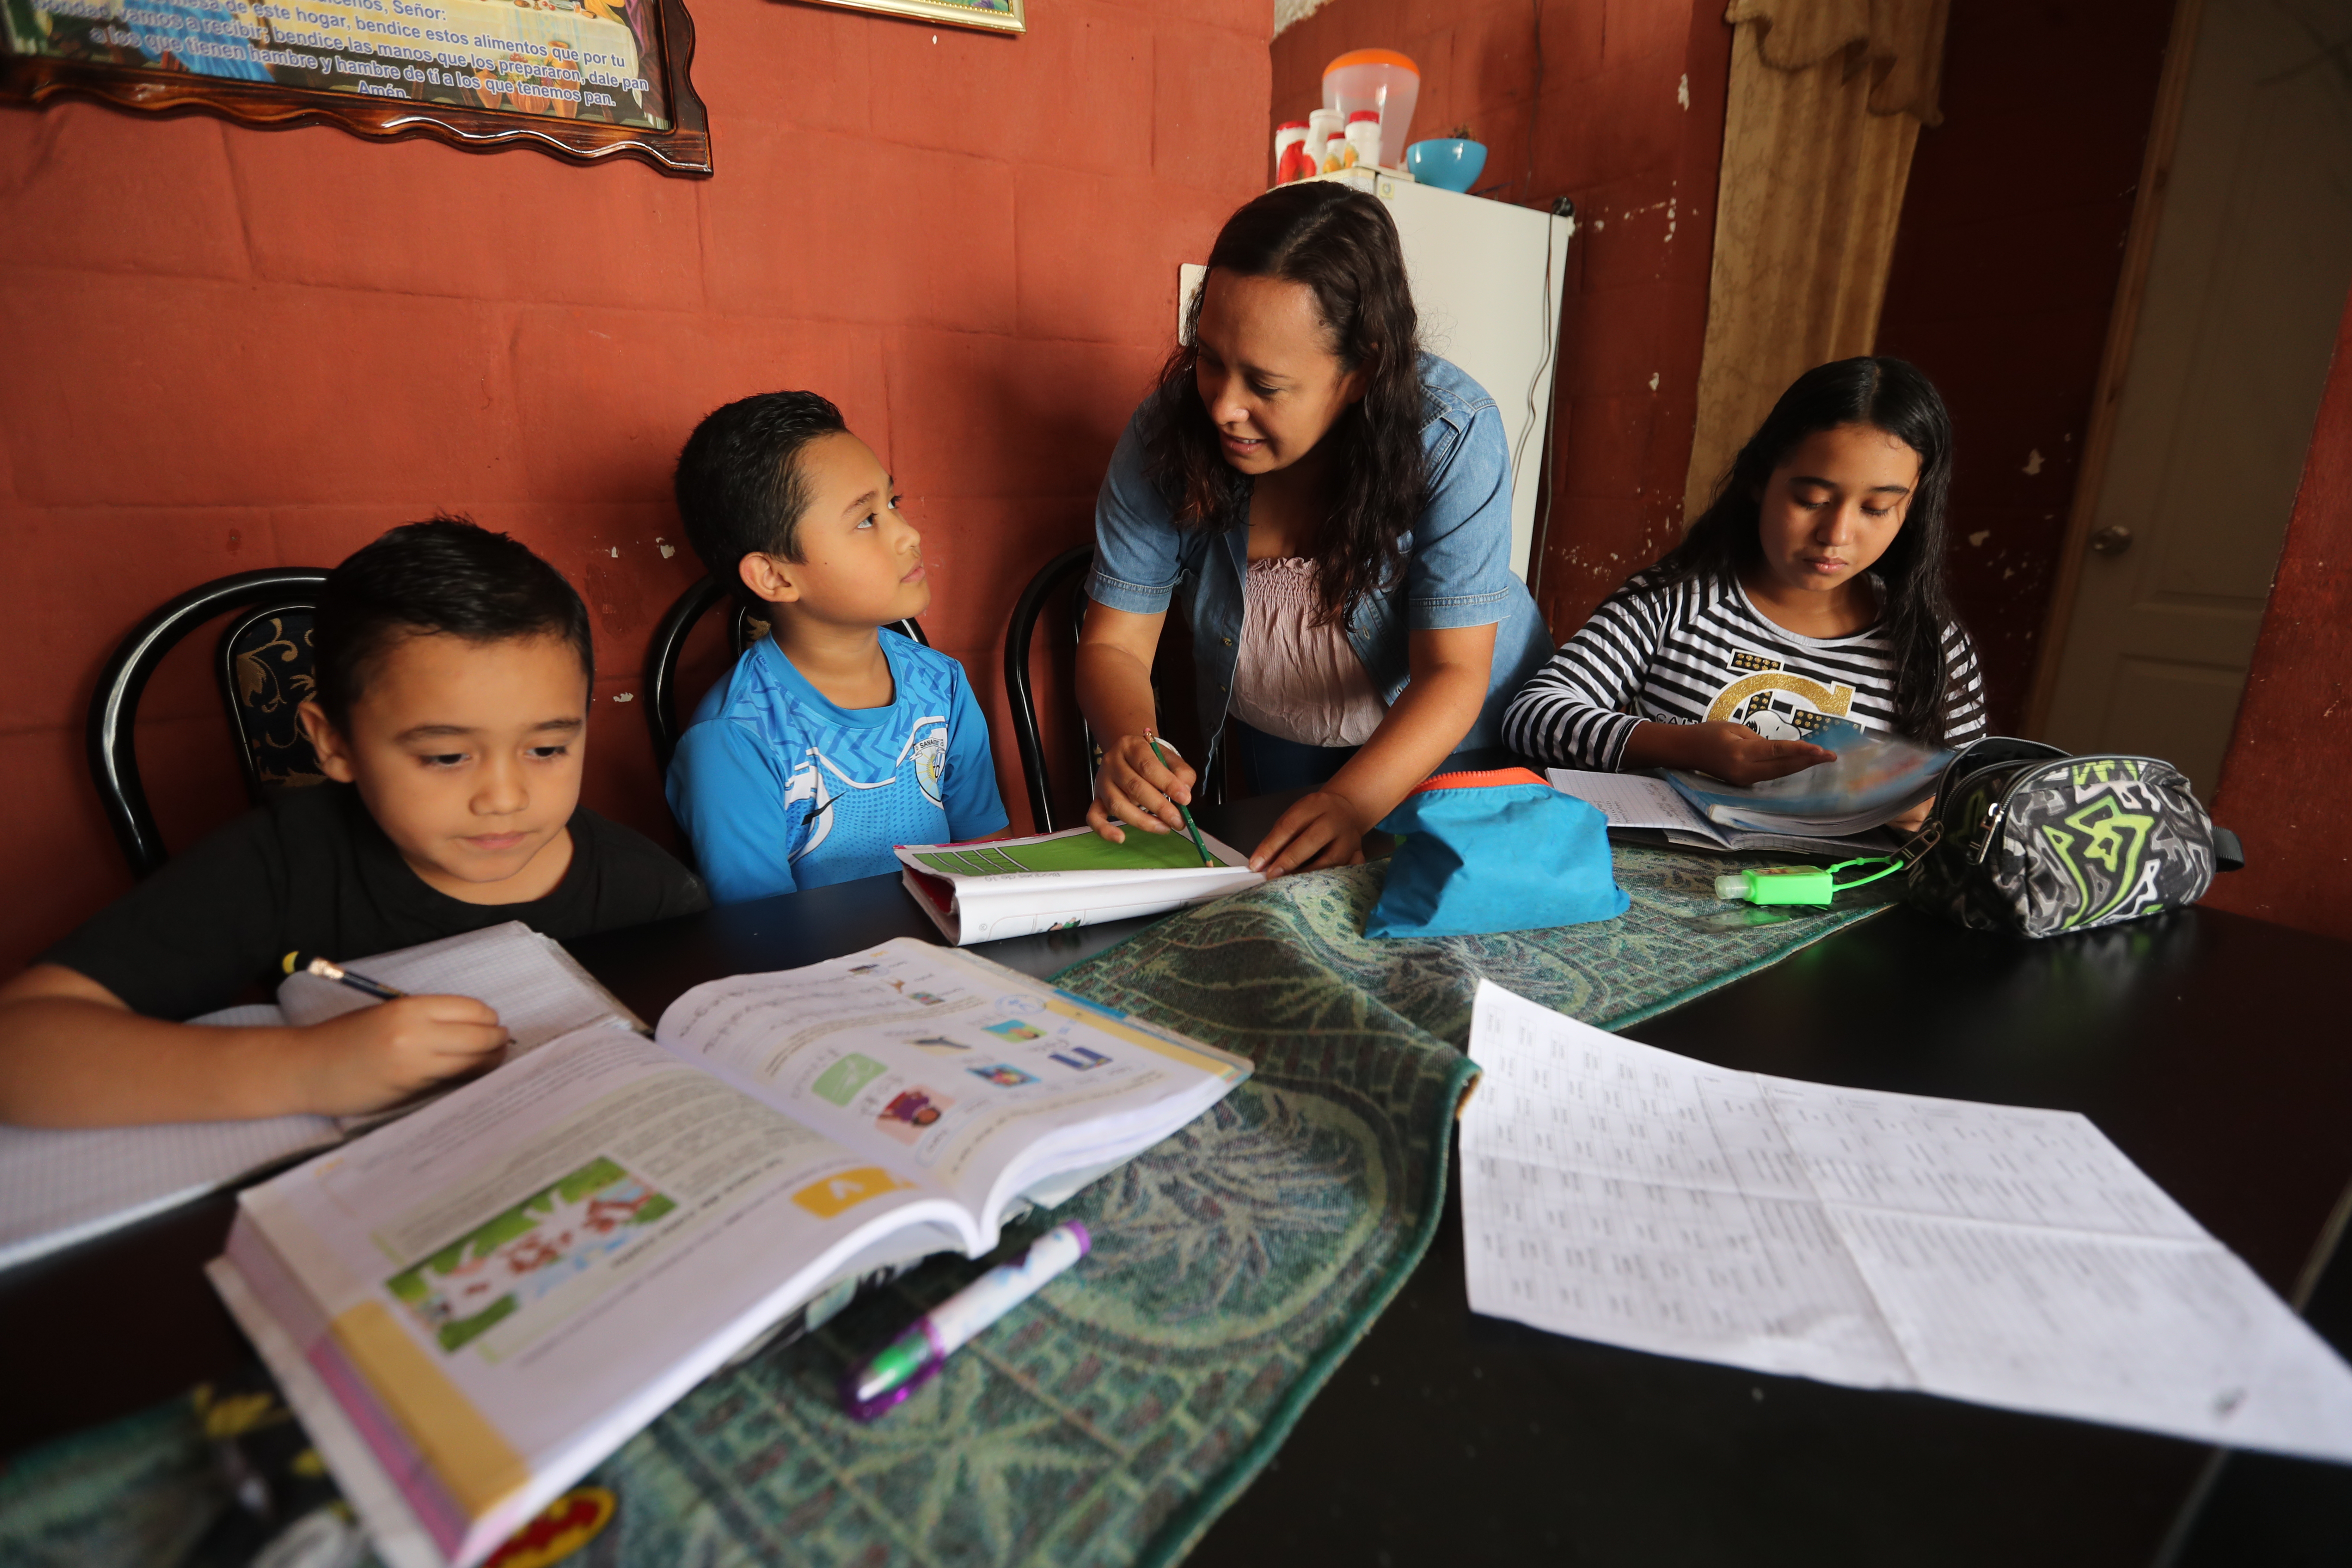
1294,679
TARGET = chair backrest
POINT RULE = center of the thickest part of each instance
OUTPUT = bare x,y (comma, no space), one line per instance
743,630
265,670
1066,570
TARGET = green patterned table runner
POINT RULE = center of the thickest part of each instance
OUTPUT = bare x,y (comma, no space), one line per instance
1109,1420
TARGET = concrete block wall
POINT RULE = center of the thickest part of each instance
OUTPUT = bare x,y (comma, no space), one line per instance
230,349
2006,264
1625,119
2281,783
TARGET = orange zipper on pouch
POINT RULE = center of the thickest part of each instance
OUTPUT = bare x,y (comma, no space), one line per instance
1491,778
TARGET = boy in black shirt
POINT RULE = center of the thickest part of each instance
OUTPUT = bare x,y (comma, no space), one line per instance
454,674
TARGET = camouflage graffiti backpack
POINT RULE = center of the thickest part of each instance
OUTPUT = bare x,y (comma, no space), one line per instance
2028,840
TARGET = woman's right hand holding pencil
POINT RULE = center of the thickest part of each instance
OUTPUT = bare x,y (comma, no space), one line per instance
1134,787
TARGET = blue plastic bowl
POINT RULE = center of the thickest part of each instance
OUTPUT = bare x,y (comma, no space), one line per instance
1449,162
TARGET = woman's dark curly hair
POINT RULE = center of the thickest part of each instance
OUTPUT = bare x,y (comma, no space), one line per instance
1889,396
1342,245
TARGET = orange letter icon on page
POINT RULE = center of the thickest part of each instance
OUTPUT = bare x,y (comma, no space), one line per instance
831,1196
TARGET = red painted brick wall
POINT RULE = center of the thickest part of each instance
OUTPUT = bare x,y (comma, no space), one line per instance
1629,124
229,349
2283,781
2004,275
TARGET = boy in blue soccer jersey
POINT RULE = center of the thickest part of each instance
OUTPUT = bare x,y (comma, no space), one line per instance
832,739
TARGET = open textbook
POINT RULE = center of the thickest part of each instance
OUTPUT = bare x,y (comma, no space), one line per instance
1017,887
2001,1254
59,1185
1873,779
469,1308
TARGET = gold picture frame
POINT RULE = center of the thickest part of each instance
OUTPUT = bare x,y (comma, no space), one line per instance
362,65
987,15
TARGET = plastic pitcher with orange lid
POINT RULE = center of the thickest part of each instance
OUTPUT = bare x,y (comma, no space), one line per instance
1381,80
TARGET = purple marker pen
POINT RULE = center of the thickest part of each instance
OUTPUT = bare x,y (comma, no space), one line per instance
915,1357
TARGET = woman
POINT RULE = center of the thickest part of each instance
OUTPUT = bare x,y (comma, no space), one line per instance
1339,505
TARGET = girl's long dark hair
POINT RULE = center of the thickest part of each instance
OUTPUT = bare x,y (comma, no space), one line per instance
1341,244
1886,395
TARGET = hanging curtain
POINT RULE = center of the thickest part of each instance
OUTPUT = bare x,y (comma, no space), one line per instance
1827,98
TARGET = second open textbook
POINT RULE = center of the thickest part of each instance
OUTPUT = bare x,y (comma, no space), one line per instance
471,1306
1018,887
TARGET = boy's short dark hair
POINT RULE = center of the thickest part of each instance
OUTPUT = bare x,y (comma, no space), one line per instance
445,575
741,487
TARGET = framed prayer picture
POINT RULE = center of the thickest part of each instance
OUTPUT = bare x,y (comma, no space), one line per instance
991,16
585,80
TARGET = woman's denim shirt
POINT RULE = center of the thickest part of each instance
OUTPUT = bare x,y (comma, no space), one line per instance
1457,561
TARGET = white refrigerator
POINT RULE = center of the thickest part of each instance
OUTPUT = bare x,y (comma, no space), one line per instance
1487,282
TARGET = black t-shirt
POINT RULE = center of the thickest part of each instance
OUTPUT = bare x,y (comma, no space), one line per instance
312,872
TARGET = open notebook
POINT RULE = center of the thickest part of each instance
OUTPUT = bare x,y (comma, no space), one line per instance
470,1307
61,1186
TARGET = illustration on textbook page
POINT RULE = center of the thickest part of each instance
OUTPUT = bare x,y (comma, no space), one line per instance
500,1269
912,1112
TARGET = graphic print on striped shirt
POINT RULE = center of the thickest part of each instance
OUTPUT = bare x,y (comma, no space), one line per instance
1699,651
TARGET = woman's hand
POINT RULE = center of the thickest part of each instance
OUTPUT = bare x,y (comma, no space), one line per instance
1321,829
1732,752
1133,788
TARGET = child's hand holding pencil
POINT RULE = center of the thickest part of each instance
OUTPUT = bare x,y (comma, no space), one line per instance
378,1057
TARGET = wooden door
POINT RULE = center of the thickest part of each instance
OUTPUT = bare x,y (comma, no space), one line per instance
2245,286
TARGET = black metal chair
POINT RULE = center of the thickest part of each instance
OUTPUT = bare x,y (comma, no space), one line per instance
1068,570
265,669
662,655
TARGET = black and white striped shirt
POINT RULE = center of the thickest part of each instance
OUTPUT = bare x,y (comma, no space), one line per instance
1696,651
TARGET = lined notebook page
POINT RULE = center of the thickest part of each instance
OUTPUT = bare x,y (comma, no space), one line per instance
61,1186
540,992
1629,800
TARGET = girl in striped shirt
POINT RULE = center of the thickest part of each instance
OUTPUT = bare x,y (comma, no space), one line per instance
1808,596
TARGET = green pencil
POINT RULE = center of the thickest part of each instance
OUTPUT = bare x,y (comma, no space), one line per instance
1190,825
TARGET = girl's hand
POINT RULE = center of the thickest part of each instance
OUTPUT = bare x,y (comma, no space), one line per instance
1738,754
1132,787
1324,828
379,1056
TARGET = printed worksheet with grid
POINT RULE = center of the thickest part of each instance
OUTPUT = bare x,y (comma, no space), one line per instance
2004,1255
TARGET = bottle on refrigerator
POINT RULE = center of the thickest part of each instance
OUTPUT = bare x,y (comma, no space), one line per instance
1363,138
1290,152
1322,126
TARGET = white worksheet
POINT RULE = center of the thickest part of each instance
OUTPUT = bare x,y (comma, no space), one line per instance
1629,800
2005,1255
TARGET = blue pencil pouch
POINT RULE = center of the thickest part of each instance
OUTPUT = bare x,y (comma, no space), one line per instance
1494,852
